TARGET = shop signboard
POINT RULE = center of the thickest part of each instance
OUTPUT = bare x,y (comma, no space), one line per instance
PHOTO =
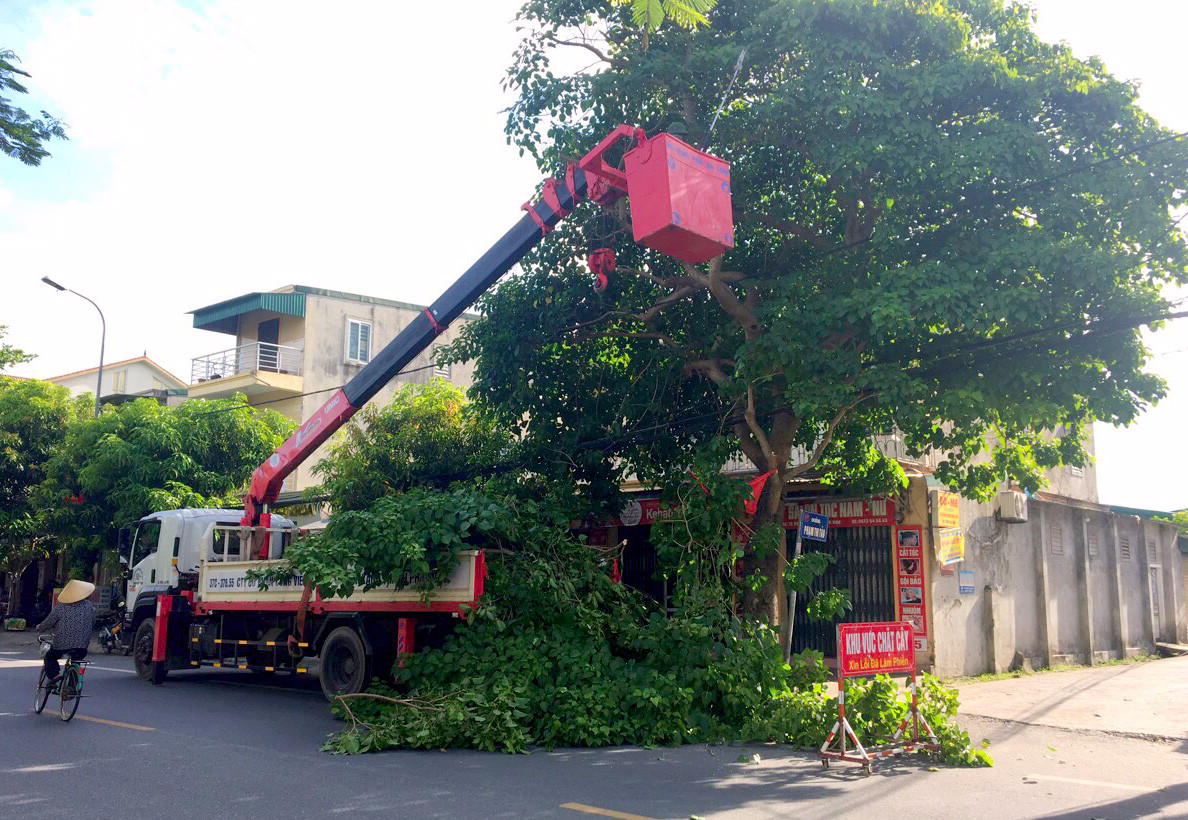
844,512
644,511
946,510
911,604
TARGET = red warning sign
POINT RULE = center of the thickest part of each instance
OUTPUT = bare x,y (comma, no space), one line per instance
875,649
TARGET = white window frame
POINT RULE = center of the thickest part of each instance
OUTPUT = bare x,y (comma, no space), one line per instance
346,341
439,370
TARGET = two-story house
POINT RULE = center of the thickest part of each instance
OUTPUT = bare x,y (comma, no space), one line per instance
295,345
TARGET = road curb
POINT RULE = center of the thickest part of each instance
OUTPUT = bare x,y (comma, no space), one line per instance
1148,736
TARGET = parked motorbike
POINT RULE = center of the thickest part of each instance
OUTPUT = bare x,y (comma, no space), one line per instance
112,635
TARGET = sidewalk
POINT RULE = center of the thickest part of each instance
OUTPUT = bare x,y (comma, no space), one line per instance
1149,698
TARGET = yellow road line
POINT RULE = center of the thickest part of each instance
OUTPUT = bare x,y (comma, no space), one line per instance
1101,783
117,723
622,815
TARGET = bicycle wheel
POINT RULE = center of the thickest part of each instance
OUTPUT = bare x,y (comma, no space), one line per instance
43,692
69,694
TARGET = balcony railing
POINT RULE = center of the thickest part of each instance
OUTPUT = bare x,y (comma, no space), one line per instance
247,358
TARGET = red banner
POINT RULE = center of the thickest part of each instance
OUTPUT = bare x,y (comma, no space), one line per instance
844,512
875,649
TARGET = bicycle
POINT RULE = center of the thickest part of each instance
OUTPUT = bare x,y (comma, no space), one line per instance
69,686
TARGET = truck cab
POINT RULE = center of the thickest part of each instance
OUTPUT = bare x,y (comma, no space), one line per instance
165,546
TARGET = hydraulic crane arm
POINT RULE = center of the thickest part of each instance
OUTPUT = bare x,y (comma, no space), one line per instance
680,206
560,197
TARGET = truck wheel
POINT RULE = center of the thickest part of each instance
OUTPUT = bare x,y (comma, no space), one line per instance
142,654
342,664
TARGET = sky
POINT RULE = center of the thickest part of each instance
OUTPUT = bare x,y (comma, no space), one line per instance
219,147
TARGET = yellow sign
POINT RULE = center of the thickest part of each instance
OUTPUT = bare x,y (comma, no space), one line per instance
950,546
948,510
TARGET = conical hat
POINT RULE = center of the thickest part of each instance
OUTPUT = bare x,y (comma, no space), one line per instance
75,591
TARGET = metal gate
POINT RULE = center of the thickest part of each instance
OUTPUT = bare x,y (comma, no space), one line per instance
863,566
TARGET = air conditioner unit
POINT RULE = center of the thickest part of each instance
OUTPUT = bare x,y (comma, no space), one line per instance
1011,506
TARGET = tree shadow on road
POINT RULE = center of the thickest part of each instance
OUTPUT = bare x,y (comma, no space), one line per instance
1142,805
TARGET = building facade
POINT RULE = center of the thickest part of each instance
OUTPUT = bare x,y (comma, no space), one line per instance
289,349
1074,582
126,380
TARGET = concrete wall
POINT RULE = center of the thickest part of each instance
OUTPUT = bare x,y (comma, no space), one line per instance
1077,583
325,365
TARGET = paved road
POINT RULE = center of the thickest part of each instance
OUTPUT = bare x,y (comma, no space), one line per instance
1148,698
228,745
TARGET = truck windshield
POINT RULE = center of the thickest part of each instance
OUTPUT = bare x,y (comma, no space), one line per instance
147,535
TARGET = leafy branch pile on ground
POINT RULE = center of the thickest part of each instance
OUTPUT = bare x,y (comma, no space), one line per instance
559,655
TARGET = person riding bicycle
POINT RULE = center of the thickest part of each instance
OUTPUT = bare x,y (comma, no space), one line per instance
72,621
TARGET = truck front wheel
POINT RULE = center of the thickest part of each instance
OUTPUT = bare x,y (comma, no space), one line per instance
342,664
142,654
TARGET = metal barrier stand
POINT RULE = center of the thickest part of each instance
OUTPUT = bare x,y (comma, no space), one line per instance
867,755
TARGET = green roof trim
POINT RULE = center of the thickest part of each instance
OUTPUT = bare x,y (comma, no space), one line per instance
224,316
1139,511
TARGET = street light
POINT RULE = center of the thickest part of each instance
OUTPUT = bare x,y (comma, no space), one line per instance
102,339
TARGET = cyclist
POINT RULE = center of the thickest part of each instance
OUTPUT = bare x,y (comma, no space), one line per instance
72,621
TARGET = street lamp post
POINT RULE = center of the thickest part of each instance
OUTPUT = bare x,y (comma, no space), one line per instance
102,338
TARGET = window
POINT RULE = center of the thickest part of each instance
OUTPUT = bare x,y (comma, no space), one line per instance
1077,472
119,380
358,341
146,540
1124,548
442,370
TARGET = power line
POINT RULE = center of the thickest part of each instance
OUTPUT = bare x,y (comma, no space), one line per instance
217,410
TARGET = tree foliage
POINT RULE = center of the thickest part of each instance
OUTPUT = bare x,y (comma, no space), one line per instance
427,435
22,135
141,457
34,419
945,228
10,355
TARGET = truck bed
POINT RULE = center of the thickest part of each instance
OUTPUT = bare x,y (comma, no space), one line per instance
224,586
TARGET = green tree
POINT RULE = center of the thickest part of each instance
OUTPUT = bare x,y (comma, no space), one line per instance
141,457
944,228
22,135
34,419
427,435
401,481
10,355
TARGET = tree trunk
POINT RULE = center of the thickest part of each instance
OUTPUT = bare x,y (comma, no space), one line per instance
769,602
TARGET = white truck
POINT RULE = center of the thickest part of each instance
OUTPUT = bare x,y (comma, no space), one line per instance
191,603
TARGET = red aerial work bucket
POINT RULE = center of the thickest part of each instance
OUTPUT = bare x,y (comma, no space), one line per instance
680,199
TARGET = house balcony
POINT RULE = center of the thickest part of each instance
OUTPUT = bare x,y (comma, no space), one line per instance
259,370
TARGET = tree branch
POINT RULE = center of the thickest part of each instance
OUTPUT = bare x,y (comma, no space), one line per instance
826,438
756,430
597,52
